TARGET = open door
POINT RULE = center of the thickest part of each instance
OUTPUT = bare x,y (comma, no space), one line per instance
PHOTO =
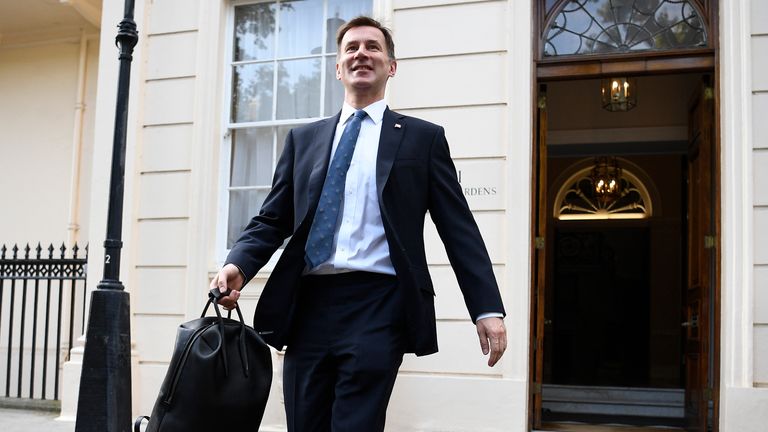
539,253
698,305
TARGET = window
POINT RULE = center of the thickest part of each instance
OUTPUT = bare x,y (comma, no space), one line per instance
576,199
605,26
282,74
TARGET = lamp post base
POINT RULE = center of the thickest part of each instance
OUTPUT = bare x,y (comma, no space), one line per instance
104,400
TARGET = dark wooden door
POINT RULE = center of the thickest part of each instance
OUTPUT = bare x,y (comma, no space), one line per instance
601,304
539,253
698,310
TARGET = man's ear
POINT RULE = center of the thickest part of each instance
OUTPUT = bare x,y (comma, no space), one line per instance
392,68
338,71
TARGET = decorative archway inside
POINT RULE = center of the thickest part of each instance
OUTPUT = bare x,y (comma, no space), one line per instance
576,199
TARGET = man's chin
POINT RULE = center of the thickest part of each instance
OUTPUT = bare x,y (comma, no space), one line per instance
361,85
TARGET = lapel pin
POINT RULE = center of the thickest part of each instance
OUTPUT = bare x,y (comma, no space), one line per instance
397,126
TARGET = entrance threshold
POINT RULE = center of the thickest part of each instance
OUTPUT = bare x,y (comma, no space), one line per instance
613,401
617,408
581,427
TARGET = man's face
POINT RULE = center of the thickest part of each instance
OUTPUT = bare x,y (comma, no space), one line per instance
363,65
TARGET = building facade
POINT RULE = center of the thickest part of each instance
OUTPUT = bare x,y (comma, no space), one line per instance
647,306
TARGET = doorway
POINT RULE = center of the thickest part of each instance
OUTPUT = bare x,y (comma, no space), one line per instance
624,311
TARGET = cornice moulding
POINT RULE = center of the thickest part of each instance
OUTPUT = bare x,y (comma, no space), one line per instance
47,36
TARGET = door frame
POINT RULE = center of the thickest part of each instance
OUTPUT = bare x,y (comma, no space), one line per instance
542,245
706,60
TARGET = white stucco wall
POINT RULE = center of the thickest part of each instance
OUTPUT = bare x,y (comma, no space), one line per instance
759,87
744,319
169,136
38,96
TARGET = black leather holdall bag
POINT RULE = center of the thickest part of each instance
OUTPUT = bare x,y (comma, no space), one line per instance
218,379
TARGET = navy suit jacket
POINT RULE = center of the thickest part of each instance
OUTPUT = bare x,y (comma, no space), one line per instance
414,174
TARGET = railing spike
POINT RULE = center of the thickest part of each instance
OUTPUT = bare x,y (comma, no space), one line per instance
2,252
38,250
74,250
15,251
63,249
50,250
26,251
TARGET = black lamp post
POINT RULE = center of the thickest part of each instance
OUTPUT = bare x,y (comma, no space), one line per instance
104,401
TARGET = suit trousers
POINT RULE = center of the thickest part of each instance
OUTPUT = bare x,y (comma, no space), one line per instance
345,347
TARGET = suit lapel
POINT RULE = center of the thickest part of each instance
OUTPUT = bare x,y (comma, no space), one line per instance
392,129
321,154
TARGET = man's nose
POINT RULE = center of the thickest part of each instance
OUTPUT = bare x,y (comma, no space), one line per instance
361,52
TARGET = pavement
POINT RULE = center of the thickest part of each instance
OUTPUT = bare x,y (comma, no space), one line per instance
20,420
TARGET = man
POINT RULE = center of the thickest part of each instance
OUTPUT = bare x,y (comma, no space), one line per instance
351,292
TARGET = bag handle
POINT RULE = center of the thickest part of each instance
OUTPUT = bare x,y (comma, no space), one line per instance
213,298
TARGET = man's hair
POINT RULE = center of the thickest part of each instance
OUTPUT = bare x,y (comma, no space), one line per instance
364,21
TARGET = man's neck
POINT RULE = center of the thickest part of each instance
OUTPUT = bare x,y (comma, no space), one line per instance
358,101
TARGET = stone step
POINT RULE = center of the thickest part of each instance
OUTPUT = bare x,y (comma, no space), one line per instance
620,401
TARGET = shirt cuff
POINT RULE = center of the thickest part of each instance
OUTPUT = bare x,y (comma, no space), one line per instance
489,315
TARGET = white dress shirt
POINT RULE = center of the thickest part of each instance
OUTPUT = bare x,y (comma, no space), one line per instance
359,243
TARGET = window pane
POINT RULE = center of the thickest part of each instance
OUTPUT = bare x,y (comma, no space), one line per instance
301,31
339,12
252,92
271,84
550,3
604,26
254,31
252,157
243,205
334,91
298,90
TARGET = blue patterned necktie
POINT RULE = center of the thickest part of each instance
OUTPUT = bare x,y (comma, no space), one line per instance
320,241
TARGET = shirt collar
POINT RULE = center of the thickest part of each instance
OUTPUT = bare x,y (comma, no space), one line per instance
375,111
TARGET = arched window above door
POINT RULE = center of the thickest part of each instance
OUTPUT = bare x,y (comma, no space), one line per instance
583,27
576,200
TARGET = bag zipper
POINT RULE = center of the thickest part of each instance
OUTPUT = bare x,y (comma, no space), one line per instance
180,367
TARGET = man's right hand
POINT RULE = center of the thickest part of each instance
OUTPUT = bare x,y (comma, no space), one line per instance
229,277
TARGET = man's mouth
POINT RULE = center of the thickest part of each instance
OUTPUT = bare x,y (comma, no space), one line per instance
361,67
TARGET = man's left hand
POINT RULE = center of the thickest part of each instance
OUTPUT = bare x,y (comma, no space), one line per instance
493,338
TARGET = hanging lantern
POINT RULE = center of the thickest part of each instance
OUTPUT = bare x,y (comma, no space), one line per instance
606,179
619,94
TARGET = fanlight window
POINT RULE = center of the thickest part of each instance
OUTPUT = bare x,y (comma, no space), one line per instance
620,26
577,200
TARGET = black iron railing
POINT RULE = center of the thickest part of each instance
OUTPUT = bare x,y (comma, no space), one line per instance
42,301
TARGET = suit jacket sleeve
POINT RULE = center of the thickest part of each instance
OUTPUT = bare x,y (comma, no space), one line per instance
266,232
459,233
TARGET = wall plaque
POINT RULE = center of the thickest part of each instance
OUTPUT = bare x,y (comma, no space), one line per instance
482,183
